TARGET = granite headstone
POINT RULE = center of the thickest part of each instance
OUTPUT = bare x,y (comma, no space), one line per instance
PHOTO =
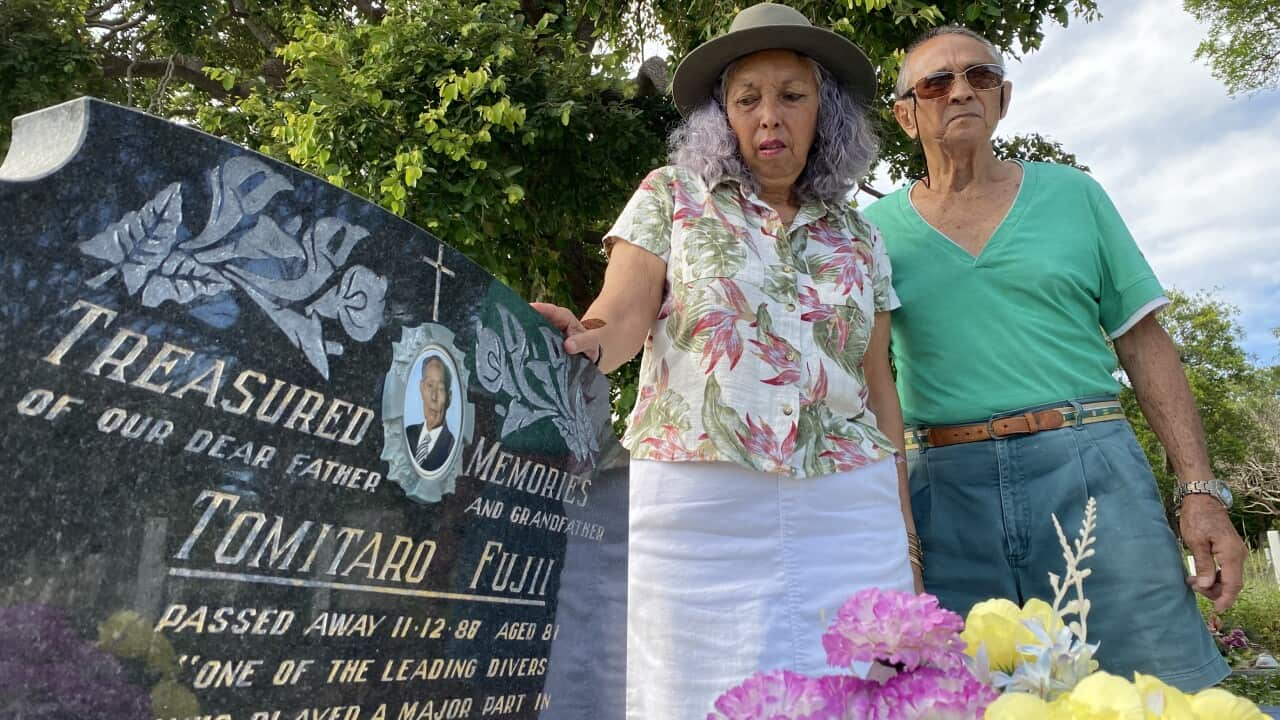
272,453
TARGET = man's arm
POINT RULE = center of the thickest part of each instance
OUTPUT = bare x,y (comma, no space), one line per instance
1151,360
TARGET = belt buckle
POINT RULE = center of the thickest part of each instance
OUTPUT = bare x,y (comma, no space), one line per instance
1078,408
991,429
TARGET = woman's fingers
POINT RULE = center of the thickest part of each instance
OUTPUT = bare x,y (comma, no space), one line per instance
578,339
586,343
563,318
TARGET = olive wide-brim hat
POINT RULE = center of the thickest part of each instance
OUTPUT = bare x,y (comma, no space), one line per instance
769,26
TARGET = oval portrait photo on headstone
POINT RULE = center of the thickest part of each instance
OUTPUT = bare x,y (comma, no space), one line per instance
431,417
427,419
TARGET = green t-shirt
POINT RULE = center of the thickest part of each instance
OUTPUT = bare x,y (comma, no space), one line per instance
1027,321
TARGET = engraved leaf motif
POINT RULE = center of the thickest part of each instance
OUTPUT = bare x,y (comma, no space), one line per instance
491,364
182,280
140,241
240,248
357,301
363,293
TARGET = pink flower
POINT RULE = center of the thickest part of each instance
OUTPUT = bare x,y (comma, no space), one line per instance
779,355
848,251
670,447
847,455
849,697
777,695
934,693
819,312
724,339
817,392
893,627
761,441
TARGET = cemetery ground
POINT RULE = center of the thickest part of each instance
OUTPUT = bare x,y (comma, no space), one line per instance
1257,613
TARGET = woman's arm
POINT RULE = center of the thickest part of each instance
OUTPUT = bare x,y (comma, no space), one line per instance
627,305
882,398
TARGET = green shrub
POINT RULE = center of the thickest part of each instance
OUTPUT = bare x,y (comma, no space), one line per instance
1257,610
1262,689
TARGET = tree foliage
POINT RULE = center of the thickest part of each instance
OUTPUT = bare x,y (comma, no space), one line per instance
1243,44
1231,392
513,129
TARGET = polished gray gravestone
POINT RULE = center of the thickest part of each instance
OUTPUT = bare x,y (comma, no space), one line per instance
272,453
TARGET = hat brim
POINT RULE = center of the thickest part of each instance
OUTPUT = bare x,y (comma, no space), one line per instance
697,74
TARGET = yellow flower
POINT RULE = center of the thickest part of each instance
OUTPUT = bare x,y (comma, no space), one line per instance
1018,706
1037,609
1218,704
1161,701
125,634
995,624
998,624
169,699
1103,696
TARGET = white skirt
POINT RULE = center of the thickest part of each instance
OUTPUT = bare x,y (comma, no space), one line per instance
731,572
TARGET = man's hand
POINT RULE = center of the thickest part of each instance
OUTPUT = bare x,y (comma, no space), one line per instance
1217,548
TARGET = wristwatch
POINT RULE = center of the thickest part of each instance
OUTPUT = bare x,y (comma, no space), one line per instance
1214,487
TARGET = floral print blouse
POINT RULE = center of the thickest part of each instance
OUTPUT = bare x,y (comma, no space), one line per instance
756,356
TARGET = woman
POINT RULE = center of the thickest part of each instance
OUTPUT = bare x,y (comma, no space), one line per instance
764,488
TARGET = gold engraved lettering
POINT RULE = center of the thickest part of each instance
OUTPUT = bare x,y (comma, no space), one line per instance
162,361
94,312
107,357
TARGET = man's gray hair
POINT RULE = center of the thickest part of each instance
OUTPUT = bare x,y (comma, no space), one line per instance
844,147
446,376
904,76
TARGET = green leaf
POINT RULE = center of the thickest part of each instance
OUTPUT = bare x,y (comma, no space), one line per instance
723,425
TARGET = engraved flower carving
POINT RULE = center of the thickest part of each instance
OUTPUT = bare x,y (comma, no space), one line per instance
241,247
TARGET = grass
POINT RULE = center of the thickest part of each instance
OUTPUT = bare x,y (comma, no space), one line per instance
1262,689
1257,612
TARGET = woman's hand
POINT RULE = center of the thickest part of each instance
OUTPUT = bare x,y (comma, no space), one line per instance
578,338
619,320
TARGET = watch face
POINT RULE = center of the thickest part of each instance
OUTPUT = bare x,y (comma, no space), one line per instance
1225,494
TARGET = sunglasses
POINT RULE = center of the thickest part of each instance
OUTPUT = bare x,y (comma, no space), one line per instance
935,85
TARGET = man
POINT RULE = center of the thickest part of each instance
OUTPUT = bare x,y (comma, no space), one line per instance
431,441
1013,277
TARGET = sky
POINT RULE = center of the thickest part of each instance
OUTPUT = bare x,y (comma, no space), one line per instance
1194,172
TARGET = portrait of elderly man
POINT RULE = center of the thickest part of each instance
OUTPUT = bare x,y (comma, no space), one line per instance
763,487
432,441
1014,277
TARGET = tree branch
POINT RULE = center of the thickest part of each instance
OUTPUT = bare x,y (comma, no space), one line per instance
96,11
269,39
187,69
533,11
585,35
370,9
863,187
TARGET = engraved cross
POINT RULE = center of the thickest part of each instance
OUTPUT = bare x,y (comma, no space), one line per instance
438,264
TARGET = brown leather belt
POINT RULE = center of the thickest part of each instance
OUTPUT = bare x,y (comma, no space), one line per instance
1027,423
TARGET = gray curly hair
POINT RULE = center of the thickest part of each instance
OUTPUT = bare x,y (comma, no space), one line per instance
845,144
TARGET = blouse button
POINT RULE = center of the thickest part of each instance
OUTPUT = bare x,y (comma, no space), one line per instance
786,410
791,307
792,355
